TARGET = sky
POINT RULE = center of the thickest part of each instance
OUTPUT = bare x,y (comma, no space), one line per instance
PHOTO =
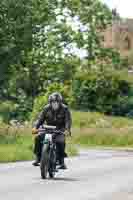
124,7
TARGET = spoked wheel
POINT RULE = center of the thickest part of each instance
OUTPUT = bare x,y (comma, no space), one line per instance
44,165
52,164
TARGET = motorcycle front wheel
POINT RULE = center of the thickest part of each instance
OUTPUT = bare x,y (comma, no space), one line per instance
44,164
52,163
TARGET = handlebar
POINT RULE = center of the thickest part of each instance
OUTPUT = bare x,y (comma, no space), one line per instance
49,127
50,131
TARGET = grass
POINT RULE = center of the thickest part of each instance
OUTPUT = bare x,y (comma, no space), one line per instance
103,137
125,75
96,129
14,148
22,149
17,145
96,120
89,130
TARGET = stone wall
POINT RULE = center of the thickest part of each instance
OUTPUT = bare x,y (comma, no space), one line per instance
120,36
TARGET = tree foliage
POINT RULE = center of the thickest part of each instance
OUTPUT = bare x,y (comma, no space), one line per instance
101,91
38,44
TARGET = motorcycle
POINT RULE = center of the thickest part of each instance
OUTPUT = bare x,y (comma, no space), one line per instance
48,164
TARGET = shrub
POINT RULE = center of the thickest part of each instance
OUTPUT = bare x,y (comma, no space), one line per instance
7,109
101,91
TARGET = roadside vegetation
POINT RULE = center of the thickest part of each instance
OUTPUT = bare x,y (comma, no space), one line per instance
16,144
96,129
90,129
38,55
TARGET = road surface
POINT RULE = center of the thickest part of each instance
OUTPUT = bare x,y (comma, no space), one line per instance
93,175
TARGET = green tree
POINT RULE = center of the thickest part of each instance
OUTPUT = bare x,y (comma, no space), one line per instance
94,17
15,37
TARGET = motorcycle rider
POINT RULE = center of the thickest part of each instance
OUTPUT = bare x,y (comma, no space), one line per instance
57,114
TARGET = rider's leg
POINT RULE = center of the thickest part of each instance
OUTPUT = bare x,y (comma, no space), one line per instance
38,148
61,152
65,154
57,153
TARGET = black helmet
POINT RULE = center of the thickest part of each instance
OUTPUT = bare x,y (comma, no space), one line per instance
56,96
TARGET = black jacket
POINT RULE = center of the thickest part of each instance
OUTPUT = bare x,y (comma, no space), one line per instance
60,118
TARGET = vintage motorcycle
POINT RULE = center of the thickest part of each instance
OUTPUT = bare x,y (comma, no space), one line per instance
48,164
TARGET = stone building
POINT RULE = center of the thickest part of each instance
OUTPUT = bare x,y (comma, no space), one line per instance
120,36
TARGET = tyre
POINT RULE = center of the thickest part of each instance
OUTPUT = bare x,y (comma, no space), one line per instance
44,164
52,163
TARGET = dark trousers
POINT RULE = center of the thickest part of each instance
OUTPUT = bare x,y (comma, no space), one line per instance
38,145
60,148
60,152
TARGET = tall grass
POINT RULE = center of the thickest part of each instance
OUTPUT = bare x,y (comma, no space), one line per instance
98,120
96,129
16,144
89,129
103,137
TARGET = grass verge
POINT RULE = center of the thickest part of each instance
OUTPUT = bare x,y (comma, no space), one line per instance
21,148
104,137
15,148
90,130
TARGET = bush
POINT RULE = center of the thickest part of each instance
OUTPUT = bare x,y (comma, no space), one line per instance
7,109
100,91
20,110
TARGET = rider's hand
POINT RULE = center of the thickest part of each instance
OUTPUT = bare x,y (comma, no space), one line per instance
67,133
34,131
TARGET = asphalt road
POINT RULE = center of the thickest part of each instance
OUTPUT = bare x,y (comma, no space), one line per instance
93,175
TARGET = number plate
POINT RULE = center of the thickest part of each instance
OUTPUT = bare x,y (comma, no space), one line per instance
48,137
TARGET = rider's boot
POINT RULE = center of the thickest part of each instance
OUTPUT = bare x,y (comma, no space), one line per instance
62,164
36,162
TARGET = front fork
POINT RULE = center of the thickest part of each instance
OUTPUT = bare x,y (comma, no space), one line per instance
51,153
